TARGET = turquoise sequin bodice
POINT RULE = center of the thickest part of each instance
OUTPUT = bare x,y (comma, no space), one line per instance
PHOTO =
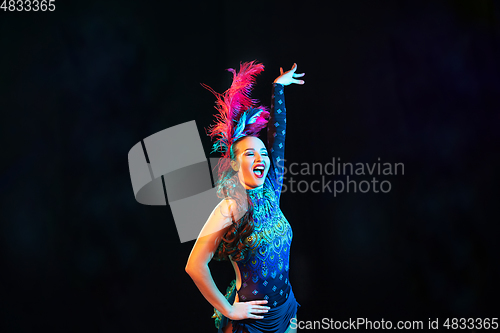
264,269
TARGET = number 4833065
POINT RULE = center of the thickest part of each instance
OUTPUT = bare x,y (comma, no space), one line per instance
28,5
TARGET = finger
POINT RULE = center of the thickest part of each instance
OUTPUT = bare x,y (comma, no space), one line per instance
299,74
281,70
299,81
251,314
256,316
259,310
260,307
258,302
294,68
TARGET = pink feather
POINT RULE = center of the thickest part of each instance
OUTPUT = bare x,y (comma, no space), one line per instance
233,103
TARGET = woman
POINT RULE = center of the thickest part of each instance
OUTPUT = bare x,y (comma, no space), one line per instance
258,241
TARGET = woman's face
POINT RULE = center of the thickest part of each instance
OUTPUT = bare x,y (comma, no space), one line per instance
251,161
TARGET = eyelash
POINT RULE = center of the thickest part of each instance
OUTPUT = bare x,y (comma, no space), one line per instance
251,154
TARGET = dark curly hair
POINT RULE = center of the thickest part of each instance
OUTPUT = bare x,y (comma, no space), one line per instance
233,242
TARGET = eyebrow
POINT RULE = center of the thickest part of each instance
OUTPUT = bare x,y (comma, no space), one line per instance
254,149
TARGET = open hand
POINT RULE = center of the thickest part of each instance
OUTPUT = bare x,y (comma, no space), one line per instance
289,76
250,309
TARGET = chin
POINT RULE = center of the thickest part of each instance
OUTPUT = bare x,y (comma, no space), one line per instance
259,181
258,184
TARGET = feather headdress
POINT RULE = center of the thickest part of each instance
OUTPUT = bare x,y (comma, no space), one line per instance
238,114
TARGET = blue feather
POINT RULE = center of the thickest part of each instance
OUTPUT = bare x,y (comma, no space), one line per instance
240,127
254,118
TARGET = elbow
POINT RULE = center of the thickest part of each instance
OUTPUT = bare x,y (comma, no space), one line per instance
191,268
188,268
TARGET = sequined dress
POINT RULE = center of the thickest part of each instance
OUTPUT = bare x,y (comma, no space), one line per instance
265,264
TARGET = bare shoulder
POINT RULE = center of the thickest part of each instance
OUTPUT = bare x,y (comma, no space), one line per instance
220,218
228,206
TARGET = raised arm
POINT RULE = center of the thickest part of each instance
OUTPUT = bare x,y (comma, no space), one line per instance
276,129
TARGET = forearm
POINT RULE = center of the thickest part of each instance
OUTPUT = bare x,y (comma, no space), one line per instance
276,137
277,123
278,120
205,283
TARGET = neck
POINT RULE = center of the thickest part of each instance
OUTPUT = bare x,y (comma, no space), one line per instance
252,188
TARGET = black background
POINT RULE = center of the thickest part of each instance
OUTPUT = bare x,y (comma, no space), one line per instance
407,82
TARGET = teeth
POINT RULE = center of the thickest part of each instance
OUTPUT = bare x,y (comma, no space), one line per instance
259,170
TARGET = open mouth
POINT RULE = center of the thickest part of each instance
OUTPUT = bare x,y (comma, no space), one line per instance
258,170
